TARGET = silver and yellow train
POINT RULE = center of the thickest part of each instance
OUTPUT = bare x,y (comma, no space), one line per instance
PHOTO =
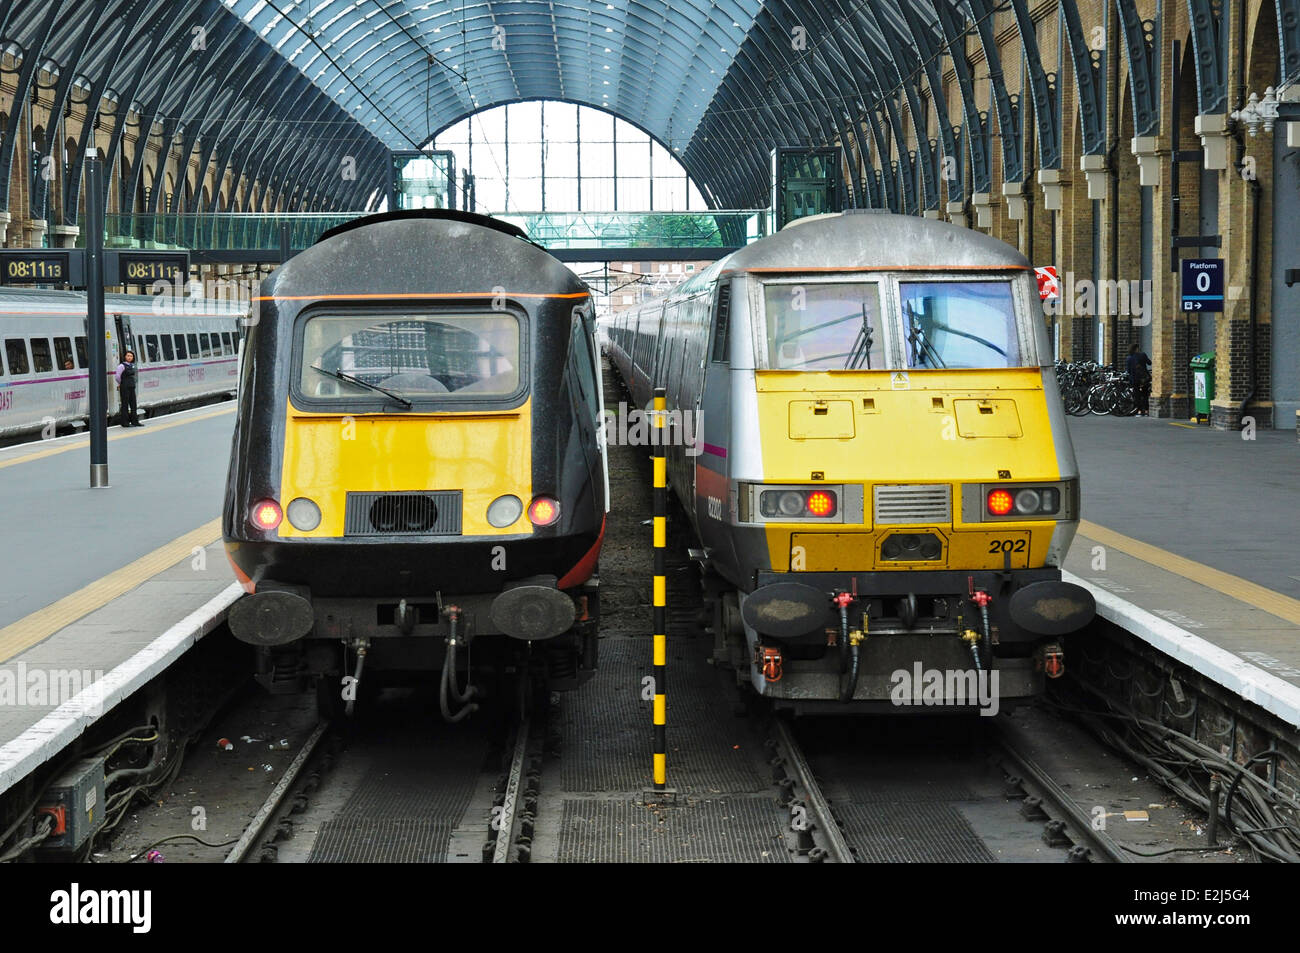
866,434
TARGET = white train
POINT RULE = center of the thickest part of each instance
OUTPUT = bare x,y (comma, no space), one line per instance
187,351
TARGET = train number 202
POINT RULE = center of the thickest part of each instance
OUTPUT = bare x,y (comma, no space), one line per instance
1007,546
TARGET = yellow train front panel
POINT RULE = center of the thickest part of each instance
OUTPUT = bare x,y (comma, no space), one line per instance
894,432
483,455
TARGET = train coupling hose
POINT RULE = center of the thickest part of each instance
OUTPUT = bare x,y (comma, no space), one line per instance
848,645
982,599
972,638
362,647
448,689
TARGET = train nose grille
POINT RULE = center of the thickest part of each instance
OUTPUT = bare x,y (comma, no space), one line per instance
906,503
402,514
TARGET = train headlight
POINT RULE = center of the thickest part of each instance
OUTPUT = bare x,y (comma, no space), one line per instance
543,511
1028,501
504,510
265,514
303,514
790,503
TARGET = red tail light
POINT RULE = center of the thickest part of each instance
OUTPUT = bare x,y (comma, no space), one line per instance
1000,502
543,511
821,503
266,514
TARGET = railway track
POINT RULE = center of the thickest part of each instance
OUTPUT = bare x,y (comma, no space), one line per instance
1064,821
821,834
259,832
513,818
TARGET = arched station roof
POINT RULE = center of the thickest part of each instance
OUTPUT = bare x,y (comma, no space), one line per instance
283,90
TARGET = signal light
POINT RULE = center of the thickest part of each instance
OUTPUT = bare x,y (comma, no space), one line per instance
821,503
543,511
266,514
1000,502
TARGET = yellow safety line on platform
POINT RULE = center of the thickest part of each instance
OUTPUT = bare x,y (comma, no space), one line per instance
1261,597
41,624
83,443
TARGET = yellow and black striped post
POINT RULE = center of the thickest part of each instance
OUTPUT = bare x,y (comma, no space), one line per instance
660,593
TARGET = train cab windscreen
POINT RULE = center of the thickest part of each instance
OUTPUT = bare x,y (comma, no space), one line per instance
959,324
823,326
414,357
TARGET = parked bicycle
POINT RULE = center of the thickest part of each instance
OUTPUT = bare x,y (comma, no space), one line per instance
1088,387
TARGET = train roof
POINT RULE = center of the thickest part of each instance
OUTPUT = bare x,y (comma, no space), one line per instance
414,255
866,240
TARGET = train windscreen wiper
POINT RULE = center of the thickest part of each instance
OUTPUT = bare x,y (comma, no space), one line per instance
862,344
366,384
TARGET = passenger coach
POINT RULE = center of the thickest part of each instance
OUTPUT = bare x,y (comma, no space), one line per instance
881,480
415,478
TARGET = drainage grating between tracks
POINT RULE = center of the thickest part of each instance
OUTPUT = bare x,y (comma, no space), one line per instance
406,807
919,831
724,830
607,747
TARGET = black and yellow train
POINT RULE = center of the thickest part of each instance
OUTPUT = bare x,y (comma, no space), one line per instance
416,482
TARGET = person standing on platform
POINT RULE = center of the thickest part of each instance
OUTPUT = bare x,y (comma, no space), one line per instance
126,375
1139,375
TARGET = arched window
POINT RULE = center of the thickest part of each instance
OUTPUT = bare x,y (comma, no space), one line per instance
544,156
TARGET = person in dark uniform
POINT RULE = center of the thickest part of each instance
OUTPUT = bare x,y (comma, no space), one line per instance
1139,375
126,375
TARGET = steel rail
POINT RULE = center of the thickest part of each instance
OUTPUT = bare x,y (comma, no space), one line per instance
1079,824
836,845
508,819
273,800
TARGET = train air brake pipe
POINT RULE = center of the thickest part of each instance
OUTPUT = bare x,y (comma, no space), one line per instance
448,689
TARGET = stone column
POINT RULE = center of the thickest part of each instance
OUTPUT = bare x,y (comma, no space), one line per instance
65,236
35,232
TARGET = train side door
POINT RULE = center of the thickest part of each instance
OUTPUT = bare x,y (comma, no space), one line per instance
112,357
713,430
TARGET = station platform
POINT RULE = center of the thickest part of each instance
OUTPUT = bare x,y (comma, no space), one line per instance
1190,539
104,588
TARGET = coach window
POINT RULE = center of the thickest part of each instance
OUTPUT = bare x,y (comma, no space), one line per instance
83,356
819,326
151,345
192,342
180,347
42,359
417,357
168,353
16,351
63,353
205,346
959,324
722,325
227,343
139,348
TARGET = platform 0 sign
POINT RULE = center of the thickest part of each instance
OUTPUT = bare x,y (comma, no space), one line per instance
1203,284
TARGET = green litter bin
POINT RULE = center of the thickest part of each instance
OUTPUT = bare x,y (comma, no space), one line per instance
1202,384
